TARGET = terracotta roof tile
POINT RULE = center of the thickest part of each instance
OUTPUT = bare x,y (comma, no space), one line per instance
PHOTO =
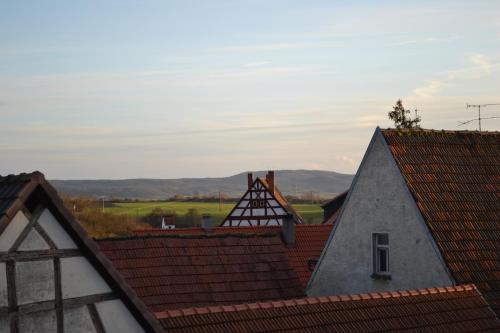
309,242
168,272
455,180
455,309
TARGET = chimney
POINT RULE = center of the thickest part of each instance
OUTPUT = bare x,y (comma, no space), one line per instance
250,180
270,181
206,223
289,230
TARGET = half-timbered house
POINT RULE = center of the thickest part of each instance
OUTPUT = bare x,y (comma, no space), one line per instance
261,205
53,278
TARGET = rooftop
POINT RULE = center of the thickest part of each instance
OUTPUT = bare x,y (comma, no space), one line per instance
451,309
309,241
178,271
454,177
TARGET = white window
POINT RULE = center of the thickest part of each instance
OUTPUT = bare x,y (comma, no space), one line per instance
381,254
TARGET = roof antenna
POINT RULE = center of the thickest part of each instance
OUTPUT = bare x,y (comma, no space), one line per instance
478,106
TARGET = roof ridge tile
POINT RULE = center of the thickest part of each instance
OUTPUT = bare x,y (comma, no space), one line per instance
315,300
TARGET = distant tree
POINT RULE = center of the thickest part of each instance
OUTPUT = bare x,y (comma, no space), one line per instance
401,116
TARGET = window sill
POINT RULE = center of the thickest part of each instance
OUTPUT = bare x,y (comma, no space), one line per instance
378,276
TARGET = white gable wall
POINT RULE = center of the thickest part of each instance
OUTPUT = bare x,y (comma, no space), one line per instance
35,282
378,203
79,278
12,231
116,318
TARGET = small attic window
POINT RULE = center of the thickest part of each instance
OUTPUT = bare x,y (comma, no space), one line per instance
381,256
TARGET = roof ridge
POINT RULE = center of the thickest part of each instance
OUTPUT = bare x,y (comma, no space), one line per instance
188,236
312,300
23,177
438,131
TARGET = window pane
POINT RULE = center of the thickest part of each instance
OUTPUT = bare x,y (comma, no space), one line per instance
382,239
382,259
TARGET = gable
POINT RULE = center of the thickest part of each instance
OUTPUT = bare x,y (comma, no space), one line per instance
258,206
51,279
378,202
454,178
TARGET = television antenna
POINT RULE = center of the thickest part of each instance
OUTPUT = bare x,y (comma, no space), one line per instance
478,107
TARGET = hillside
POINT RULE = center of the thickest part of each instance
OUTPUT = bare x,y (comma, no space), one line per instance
295,182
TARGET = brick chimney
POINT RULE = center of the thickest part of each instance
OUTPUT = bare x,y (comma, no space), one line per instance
250,180
270,181
288,231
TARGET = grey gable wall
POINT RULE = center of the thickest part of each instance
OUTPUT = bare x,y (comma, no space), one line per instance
379,202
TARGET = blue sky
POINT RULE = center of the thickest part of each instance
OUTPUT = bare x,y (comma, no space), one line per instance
121,89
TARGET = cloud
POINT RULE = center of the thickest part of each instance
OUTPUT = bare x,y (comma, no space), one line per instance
429,89
256,64
254,48
481,67
428,40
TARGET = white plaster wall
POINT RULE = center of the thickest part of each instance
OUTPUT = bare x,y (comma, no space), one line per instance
56,233
379,203
33,242
79,278
34,281
78,320
279,211
12,231
273,222
116,318
38,322
259,212
3,285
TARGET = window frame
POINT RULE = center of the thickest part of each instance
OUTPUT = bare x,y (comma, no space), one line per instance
377,248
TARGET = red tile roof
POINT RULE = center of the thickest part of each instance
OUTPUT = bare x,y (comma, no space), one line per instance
169,272
454,178
452,309
309,242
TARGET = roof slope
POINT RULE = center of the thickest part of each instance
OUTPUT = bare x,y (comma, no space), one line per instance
178,272
454,178
282,201
309,242
25,192
454,309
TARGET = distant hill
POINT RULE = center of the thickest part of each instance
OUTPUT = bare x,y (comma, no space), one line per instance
290,182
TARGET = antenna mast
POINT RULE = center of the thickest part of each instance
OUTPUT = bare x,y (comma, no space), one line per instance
478,106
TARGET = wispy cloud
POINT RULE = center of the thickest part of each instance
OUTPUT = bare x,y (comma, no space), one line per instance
481,67
428,40
254,48
256,64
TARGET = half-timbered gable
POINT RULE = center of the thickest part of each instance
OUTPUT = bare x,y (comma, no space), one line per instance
53,278
261,205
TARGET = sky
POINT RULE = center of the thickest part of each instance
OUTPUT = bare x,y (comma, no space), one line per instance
170,89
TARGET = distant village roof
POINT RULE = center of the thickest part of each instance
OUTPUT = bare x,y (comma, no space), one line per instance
309,242
449,309
31,195
261,204
332,208
169,272
454,177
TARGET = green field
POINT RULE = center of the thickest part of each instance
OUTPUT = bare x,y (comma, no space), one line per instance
310,213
